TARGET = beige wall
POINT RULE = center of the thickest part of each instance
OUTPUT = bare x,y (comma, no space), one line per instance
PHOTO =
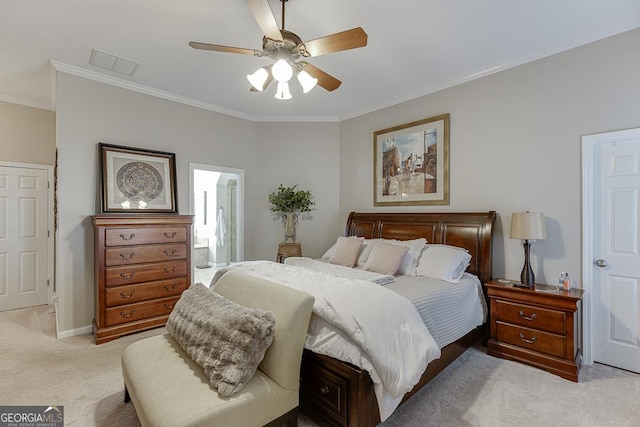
307,155
27,134
89,112
515,145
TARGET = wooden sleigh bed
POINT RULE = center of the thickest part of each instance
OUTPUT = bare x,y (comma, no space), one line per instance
333,392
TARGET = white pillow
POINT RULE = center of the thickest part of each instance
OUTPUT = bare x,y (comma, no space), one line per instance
346,251
385,258
443,262
410,261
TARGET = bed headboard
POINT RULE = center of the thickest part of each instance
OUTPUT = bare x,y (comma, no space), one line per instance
470,230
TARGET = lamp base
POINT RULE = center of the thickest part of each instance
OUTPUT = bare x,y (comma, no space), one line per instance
527,278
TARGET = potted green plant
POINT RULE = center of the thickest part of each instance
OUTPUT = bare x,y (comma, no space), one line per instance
288,203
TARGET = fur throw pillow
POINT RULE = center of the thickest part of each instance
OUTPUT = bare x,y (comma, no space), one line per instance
226,339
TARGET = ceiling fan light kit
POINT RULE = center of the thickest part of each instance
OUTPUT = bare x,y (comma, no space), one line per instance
285,48
258,78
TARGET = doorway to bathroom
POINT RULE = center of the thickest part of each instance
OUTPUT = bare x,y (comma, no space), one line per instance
216,204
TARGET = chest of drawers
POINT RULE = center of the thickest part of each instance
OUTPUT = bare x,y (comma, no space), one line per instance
536,328
142,266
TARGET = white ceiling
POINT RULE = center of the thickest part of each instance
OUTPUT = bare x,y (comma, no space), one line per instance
415,47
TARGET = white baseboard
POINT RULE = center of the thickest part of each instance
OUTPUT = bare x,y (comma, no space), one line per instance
74,332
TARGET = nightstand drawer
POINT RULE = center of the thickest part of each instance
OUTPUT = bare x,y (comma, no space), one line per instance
531,316
532,339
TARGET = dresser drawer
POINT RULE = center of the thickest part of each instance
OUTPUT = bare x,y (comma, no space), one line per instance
128,275
326,392
125,255
532,339
132,312
120,295
141,236
531,316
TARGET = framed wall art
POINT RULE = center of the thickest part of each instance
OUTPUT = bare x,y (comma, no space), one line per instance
411,163
137,180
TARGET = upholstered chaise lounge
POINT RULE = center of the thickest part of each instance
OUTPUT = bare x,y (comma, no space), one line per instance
168,388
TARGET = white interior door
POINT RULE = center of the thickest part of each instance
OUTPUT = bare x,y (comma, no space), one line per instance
616,256
24,241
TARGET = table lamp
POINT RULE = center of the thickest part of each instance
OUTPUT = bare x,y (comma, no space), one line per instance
529,227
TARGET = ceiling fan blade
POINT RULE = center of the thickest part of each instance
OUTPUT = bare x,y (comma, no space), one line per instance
266,20
228,49
325,80
345,40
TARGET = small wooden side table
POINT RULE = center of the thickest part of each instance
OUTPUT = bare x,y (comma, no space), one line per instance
534,327
286,250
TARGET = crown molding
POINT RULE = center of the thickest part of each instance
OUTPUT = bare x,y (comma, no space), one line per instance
147,90
26,102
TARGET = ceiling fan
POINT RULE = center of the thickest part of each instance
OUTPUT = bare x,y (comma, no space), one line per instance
286,49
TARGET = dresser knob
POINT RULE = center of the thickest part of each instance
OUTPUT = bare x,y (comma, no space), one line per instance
171,252
170,270
127,276
169,306
533,316
126,316
170,235
528,341
324,389
127,257
125,296
169,289
129,237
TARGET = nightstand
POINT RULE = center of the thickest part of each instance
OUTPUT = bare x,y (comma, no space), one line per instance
536,328
286,250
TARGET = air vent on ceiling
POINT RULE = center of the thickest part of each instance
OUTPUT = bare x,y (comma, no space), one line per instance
112,62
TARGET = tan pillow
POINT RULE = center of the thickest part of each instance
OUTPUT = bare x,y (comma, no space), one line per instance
346,251
226,339
385,258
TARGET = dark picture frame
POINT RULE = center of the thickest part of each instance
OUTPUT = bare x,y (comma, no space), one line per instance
137,180
411,163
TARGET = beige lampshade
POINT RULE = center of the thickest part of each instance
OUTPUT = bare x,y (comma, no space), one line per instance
528,226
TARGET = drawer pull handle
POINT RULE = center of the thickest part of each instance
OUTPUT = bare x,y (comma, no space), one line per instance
131,236
171,252
533,316
169,306
531,341
324,389
127,276
169,289
170,235
126,316
170,270
127,257
125,296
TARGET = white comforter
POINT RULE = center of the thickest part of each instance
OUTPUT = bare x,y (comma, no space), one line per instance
361,323
339,270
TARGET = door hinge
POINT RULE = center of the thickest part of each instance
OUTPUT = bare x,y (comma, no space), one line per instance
48,284
48,233
48,184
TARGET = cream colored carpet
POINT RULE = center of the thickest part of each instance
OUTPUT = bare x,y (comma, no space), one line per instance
476,390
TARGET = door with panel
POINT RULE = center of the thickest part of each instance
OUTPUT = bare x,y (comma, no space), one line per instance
24,237
616,264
